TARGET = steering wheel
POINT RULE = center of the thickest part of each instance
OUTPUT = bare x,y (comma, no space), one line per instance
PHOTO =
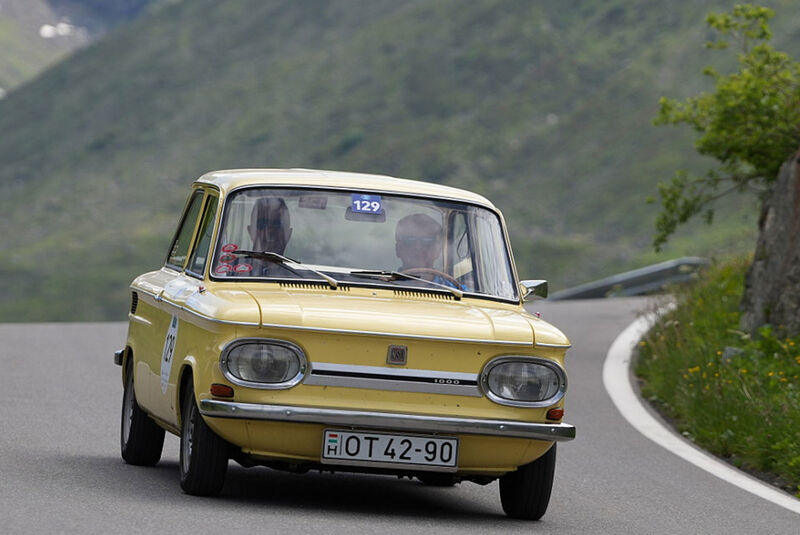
423,270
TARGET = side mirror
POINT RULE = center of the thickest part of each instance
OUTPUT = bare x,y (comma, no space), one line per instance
532,289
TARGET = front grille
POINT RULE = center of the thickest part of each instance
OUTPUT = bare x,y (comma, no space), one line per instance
134,302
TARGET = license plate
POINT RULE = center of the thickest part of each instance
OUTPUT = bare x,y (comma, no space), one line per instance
383,449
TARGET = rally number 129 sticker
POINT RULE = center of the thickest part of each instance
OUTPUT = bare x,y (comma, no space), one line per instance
366,204
168,352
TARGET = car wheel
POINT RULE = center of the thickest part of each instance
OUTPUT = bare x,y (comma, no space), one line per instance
204,455
141,440
525,493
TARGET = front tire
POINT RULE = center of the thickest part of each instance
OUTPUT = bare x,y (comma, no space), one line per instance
525,493
204,455
141,440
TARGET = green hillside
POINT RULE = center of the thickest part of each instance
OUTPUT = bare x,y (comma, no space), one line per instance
545,109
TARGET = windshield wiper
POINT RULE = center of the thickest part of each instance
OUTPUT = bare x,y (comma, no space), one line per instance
285,261
394,275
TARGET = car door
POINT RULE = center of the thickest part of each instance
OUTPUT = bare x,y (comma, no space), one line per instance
183,335
169,285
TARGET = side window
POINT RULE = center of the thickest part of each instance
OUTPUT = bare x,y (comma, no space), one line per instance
180,245
495,277
201,252
459,254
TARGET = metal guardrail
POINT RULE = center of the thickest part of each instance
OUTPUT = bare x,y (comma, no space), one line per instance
640,281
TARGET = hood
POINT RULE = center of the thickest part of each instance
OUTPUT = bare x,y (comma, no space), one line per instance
419,315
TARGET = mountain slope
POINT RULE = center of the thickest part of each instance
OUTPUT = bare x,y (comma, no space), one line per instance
547,111
37,33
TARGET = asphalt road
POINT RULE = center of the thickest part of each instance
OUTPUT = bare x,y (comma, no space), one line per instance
60,469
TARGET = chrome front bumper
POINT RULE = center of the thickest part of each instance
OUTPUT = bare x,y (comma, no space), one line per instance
387,420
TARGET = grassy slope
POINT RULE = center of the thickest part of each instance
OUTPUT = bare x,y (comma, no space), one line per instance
733,395
106,143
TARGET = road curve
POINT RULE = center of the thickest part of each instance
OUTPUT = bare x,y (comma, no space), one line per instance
60,469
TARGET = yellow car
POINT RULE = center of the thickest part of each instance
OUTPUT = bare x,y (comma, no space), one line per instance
318,320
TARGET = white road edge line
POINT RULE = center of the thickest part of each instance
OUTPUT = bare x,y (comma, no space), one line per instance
617,382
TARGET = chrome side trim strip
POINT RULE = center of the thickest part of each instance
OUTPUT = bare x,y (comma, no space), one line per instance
160,299
139,319
387,420
209,318
215,320
393,379
398,335
555,346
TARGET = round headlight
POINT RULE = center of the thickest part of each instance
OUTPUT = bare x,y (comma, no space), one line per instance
263,363
524,381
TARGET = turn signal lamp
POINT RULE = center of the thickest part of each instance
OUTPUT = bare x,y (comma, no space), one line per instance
221,391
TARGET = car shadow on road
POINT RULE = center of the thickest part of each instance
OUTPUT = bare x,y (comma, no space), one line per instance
352,493
324,493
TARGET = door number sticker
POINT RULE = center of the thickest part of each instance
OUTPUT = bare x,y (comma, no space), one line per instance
169,351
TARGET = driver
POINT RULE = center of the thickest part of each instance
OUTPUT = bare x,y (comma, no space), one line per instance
418,244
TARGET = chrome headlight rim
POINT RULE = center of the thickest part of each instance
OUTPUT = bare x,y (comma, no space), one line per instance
551,364
297,350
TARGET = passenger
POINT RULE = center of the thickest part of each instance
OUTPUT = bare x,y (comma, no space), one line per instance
270,226
270,230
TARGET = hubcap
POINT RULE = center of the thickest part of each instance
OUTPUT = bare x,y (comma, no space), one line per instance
127,412
186,442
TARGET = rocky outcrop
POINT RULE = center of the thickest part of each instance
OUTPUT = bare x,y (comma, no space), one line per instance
772,285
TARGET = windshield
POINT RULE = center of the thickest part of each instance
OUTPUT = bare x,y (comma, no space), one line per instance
356,237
